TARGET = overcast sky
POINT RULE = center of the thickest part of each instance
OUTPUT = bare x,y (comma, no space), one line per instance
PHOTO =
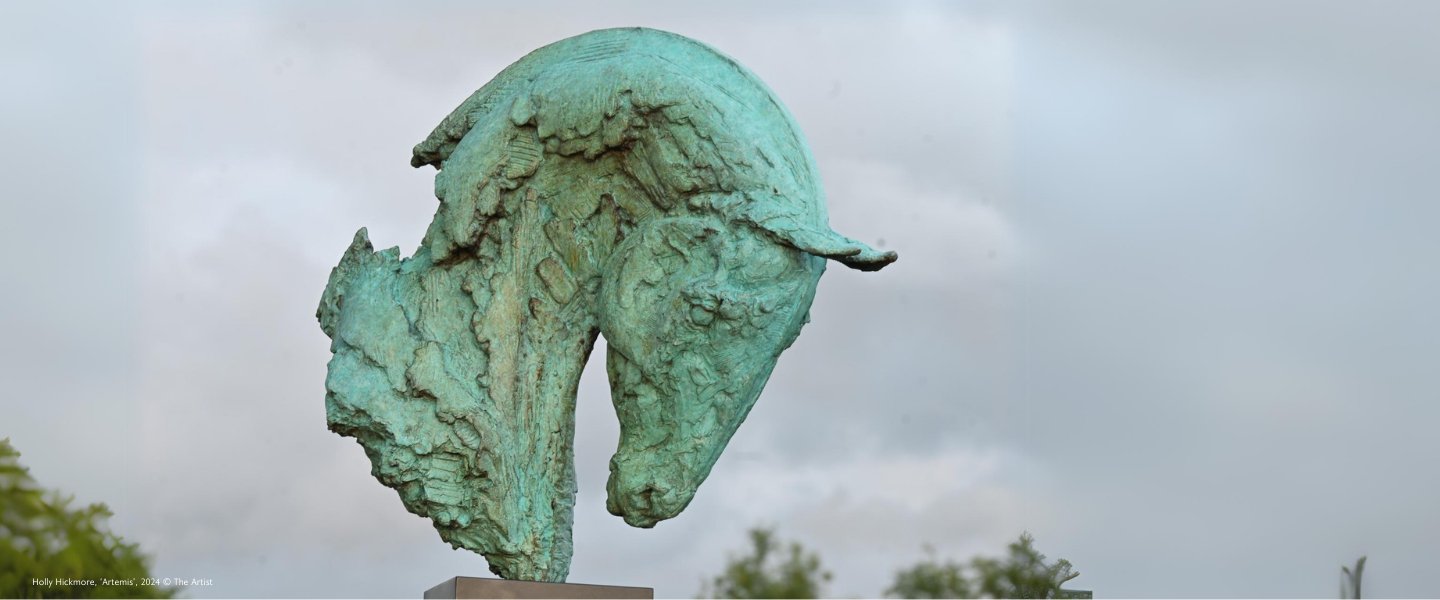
1167,295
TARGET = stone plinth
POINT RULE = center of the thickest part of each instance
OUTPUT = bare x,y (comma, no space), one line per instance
485,587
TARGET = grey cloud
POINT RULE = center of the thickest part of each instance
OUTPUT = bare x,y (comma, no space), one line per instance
1225,219
1169,262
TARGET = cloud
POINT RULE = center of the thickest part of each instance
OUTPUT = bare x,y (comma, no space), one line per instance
1164,293
954,240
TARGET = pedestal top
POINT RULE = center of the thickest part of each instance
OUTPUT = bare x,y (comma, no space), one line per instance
486,587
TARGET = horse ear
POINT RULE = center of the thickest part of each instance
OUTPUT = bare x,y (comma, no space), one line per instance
825,243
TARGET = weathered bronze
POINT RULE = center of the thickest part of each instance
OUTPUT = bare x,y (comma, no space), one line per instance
625,182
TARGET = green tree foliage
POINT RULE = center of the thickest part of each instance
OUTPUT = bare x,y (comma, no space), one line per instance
42,536
1350,580
770,570
932,579
1022,573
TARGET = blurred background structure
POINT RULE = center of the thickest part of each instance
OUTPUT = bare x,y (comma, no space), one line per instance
1167,302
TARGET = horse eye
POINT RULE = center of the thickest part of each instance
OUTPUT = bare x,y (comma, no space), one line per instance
732,310
700,316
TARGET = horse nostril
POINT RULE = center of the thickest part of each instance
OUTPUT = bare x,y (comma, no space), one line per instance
645,498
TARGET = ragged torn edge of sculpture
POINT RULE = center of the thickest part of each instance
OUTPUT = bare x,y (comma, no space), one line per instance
626,182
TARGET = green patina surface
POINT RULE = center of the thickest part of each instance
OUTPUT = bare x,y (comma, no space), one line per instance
625,182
